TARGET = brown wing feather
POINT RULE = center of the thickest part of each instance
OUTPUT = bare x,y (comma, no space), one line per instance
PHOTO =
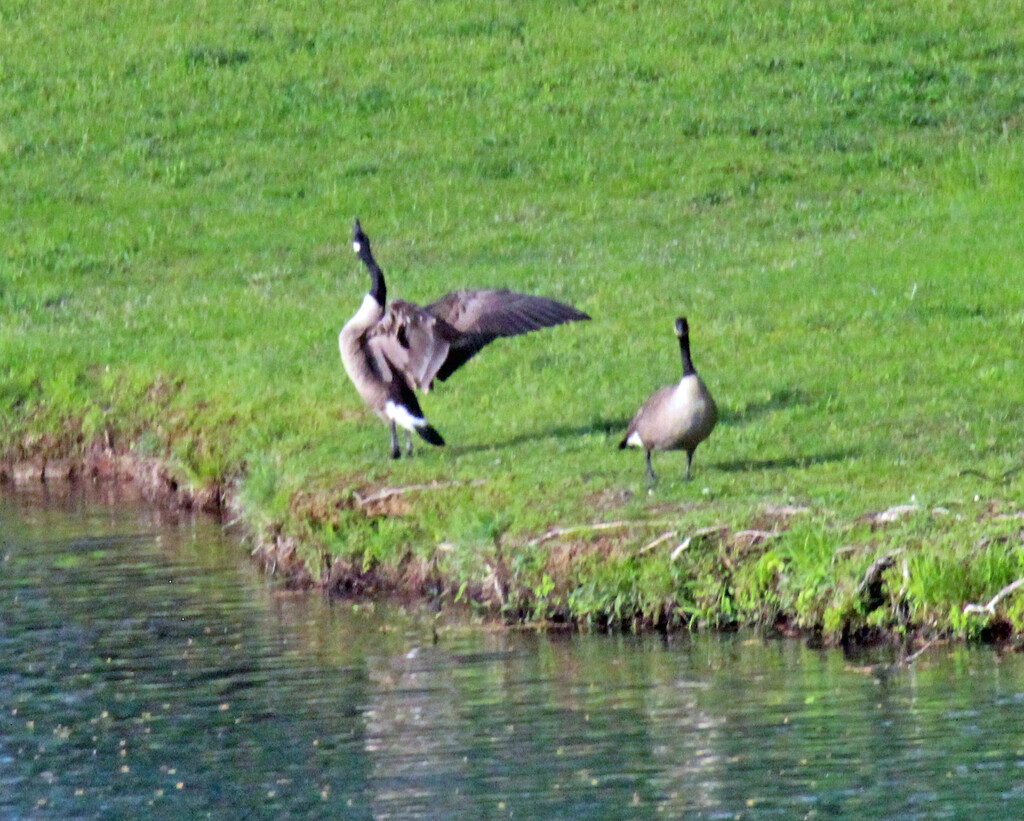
483,316
650,409
501,313
413,341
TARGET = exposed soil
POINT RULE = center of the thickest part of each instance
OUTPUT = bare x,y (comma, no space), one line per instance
151,477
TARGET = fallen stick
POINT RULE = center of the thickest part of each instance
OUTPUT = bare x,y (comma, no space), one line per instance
990,608
873,575
685,543
913,656
387,493
664,537
757,535
555,532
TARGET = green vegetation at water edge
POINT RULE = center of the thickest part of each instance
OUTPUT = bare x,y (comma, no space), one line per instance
832,196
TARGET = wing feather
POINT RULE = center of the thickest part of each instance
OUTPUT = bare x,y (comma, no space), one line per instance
412,341
484,315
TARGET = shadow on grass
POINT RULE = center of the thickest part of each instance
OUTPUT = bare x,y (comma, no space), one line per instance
747,465
600,426
778,399
1000,479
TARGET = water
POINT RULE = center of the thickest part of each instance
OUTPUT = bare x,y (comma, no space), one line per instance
146,670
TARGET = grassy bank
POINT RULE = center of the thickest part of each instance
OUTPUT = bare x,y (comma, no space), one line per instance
832,197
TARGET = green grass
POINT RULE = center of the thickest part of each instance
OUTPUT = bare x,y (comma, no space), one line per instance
832,196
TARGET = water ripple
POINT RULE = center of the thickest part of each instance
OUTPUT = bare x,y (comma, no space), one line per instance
149,670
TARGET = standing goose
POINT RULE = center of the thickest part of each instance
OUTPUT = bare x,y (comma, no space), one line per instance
390,350
676,417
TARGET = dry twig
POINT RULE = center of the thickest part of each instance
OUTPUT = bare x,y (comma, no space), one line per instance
713,530
387,493
873,575
555,532
990,608
913,656
685,543
756,536
664,537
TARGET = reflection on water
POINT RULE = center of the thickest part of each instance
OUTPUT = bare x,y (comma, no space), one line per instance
146,668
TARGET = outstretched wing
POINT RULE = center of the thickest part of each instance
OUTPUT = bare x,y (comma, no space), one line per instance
411,340
480,317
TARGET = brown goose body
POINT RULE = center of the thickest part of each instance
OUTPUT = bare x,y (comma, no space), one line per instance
675,417
391,350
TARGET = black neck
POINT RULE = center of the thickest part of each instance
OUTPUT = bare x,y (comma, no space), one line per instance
378,290
684,349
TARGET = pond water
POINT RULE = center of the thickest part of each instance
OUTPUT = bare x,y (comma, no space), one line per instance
148,670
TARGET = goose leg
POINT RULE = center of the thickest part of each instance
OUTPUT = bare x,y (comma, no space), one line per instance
689,460
396,452
650,471
408,443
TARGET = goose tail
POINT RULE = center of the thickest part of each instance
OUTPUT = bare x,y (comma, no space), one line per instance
631,439
428,434
403,409
409,416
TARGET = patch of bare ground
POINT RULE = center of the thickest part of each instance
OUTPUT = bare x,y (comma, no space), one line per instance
774,516
584,537
395,501
608,499
151,477
321,506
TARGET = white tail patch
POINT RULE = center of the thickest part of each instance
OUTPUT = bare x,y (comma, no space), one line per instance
634,440
400,415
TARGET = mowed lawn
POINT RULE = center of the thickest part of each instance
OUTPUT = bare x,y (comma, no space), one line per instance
832,194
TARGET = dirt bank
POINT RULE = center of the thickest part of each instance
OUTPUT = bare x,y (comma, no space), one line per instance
501,592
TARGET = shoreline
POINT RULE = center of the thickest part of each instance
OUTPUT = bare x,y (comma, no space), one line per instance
422,580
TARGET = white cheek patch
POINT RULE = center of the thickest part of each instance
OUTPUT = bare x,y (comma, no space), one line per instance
357,246
400,416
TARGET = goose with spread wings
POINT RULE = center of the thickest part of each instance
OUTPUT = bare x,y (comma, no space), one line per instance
391,351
